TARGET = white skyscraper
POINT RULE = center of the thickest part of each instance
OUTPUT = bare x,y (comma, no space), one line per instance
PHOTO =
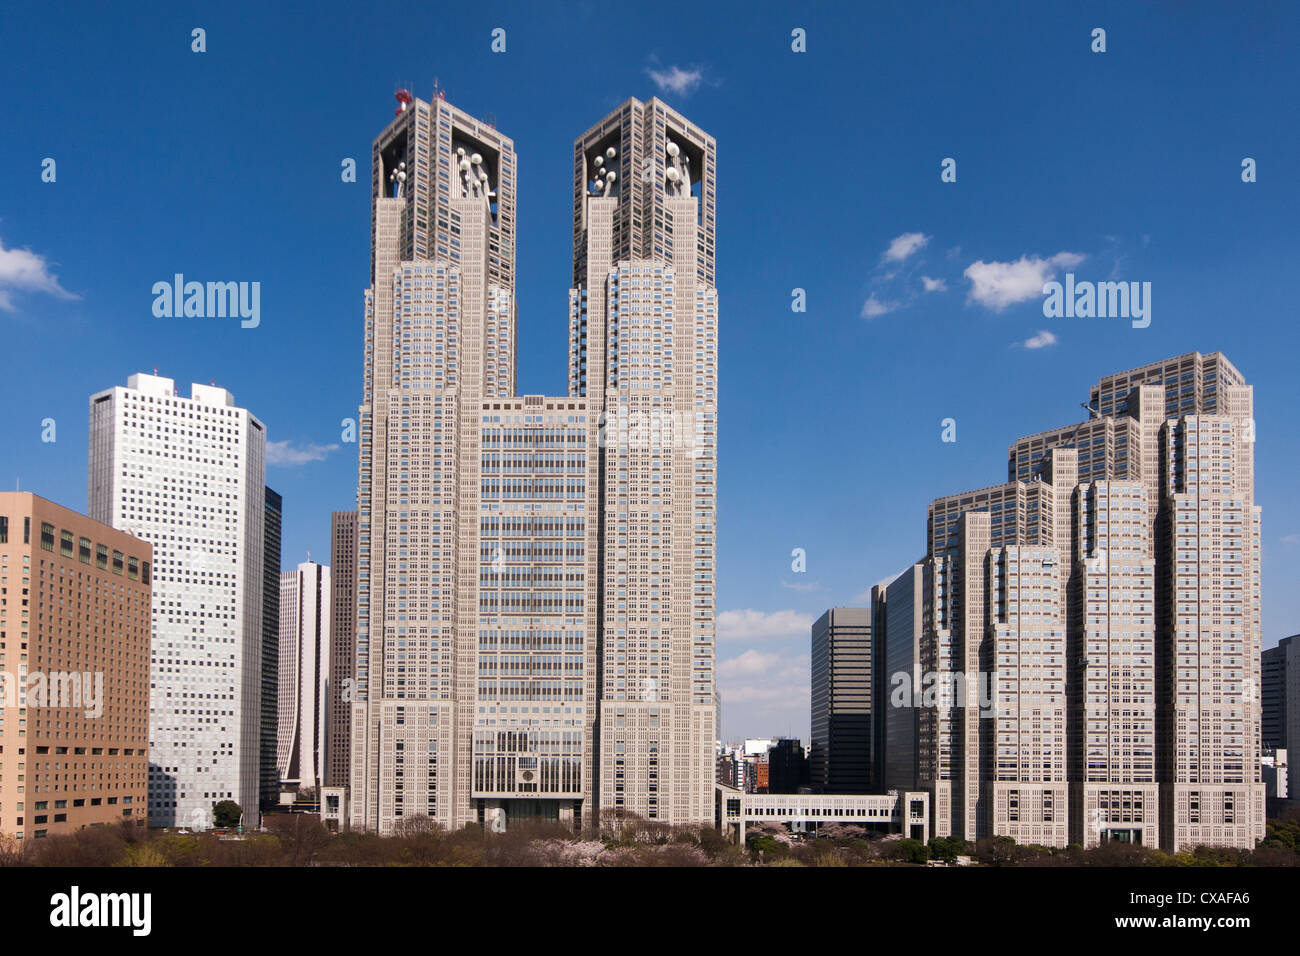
304,675
188,476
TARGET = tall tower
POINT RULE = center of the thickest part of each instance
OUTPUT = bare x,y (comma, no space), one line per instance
842,757
302,751
1111,591
643,229
643,352
188,476
268,771
343,629
439,339
481,665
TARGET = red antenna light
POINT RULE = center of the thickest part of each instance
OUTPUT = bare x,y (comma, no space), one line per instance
403,101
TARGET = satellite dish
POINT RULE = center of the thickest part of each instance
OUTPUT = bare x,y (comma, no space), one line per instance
673,149
612,176
401,165
476,158
401,177
611,152
672,175
460,150
598,161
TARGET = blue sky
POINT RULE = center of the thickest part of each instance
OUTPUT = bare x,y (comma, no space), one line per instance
225,166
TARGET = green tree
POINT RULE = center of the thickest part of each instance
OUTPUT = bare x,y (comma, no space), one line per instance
909,851
226,813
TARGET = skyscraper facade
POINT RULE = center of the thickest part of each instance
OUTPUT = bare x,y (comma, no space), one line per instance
1095,625
896,633
74,670
841,758
268,769
343,628
301,739
517,656
643,323
1280,695
188,476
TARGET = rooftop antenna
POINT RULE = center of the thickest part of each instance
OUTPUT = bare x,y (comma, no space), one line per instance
438,91
492,120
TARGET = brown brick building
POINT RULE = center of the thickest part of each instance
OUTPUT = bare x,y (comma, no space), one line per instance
74,670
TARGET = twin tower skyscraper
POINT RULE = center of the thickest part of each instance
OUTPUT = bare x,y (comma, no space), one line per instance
536,575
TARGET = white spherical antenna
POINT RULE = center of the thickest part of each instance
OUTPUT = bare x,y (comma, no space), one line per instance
401,177
476,158
611,152
612,175
460,150
598,161
672,175
673,149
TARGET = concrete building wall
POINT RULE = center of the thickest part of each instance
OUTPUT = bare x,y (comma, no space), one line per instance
75,622
188,475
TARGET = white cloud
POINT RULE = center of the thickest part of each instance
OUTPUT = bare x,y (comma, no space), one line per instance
24,271
751,625
1041,340
283,453
996,285
900,247
749,664
874,308
1291,539
676,80
934,285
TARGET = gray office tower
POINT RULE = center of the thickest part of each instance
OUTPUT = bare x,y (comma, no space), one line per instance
896,629
842,702
268,777
1280,713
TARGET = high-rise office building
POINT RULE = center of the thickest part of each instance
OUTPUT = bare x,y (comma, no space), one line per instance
531,569
841,759
343,628
74,670
1277,673
896,635
188,476
643,353
1095,623
787,766
268,769
302,730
